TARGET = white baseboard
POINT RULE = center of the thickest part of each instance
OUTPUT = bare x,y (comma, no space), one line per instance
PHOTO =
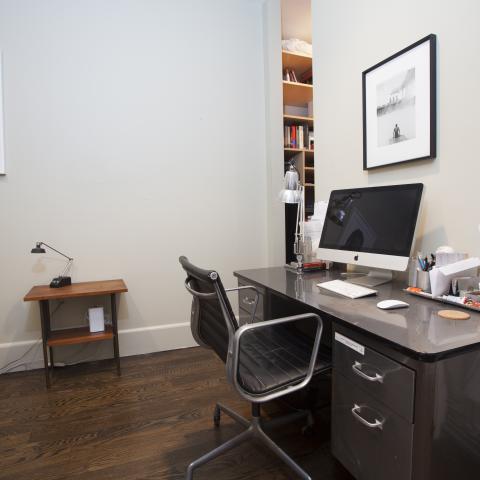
28,355
136,341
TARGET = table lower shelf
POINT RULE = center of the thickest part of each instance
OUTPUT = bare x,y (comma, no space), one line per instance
73,336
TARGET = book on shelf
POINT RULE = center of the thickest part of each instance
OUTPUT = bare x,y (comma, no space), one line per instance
297,136
289,75
306,76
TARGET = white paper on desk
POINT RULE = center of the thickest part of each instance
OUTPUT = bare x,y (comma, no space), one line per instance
441,277
314,227
319,211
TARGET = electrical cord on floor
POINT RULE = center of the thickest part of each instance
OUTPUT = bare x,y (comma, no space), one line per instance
13,363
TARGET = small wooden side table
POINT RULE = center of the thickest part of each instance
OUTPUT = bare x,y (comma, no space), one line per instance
71,336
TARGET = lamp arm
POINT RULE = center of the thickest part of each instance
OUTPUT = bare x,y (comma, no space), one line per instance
303,214
55,250
299,207
67,268
299,228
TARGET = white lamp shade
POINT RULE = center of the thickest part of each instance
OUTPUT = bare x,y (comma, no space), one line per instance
290,196
291,179
291,192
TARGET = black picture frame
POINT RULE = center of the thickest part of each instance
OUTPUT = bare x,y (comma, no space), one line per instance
432,98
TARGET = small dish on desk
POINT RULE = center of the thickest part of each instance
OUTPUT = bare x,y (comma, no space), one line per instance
392,304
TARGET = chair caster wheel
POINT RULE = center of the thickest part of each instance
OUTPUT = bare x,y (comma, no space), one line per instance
216,416
308,431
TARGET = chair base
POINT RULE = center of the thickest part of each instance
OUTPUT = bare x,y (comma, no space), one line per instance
255,430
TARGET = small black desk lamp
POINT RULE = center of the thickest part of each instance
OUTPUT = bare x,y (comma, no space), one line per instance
62,280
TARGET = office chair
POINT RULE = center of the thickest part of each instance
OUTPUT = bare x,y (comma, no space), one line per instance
264,361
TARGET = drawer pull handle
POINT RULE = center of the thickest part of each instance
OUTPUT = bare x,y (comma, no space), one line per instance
248,300
356,413
357,368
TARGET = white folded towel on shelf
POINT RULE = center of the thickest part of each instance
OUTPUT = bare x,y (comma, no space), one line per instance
296,45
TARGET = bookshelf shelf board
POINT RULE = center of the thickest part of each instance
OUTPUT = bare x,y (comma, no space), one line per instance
297,94
299,62
310,168
74,336
297,120
309,184
288,149
296,54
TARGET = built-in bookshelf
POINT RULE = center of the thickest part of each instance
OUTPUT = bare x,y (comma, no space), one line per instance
298,120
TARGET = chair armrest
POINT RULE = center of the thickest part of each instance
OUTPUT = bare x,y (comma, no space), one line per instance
271,323
255,301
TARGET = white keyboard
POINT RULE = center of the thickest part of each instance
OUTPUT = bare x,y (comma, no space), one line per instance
347,289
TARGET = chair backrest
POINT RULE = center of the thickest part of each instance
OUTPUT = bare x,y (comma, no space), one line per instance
213,322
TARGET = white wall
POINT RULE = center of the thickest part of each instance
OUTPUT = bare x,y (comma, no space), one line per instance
134,133
272,45
350,36
297,20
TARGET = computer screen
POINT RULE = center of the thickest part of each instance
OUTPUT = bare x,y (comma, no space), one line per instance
379,220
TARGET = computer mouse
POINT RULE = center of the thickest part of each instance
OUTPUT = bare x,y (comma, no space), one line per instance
391,304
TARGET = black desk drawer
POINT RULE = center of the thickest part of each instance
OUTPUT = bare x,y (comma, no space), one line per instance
370,440
383,378
246,302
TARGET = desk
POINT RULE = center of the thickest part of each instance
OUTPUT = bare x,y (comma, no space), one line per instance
406,383
50,338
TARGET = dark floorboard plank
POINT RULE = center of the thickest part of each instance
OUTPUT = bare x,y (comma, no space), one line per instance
147,424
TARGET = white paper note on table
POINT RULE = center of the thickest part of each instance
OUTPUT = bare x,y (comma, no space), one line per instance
314,227
441,277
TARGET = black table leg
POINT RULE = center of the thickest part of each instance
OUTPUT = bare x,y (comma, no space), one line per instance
116,349
50,350
45,317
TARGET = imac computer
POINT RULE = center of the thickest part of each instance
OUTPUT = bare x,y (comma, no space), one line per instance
372,227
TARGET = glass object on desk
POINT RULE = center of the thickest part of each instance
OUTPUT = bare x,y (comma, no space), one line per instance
412,271
307,249
423,281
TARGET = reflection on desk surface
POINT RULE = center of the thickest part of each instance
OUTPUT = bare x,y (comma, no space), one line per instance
417,328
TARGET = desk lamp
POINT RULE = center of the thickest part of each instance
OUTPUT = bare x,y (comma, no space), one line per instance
294,193
62,280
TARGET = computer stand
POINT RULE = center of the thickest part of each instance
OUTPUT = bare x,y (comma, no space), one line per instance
373,278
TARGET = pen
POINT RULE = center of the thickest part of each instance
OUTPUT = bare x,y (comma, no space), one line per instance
420,262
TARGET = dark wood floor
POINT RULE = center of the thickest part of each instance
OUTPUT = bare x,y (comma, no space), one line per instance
148,424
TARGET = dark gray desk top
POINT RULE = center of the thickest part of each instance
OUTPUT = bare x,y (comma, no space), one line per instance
417,329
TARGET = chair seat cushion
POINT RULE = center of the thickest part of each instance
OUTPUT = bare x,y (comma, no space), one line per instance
274,357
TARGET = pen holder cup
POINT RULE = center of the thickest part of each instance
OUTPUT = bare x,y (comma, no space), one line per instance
423,281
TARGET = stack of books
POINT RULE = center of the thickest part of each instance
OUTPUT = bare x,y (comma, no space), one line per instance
289,75
297,136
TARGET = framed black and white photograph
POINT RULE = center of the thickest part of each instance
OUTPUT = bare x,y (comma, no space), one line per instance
399,106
